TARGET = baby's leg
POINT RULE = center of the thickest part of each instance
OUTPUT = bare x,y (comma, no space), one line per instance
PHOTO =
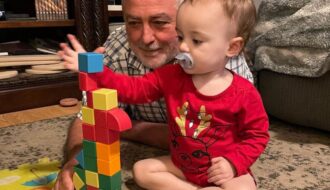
243,182
160,173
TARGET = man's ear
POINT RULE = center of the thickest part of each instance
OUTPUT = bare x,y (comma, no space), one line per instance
235,46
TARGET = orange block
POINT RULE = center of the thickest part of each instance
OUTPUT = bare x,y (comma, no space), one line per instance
109,168
107,152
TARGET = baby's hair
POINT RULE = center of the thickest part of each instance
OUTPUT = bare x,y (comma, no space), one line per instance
241,12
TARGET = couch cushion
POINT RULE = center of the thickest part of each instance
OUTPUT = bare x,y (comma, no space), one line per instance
299,100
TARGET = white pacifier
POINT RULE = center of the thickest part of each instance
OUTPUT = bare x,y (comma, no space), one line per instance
185,60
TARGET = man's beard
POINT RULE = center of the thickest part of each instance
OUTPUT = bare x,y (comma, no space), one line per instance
166,55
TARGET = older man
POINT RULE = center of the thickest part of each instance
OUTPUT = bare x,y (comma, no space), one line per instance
147,41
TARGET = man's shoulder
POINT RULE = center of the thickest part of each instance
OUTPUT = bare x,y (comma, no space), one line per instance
117,42
243,85
117,53
119,33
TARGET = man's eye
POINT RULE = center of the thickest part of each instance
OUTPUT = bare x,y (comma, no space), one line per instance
133,23
160,23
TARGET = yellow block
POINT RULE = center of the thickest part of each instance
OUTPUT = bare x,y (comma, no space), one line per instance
107,151
92,178
78,183
109,168
88,115
105,99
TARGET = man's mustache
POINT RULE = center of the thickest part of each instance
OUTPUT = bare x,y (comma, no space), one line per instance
149,47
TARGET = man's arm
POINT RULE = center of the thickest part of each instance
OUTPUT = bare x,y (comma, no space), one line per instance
154,134
73,142
72,147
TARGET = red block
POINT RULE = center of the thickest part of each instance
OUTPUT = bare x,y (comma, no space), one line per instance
88,187
89,95
118,120
100,118
106,136
88,132
86,83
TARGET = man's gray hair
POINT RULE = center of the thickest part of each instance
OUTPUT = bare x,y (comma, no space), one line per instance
178,2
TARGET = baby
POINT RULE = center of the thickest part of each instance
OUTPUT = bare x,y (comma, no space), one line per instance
218,125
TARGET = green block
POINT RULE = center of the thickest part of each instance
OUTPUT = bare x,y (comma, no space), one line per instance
83,188
80,172
89,148
110,182
90,164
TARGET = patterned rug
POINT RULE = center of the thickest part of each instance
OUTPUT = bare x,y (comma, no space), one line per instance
296,158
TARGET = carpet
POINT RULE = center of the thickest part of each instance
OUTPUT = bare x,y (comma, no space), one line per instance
296,158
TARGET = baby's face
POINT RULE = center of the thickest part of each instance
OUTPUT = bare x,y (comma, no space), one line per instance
204,31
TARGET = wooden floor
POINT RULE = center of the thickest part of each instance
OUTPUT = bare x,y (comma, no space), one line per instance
26,116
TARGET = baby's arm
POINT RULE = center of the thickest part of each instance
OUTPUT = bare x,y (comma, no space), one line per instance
252,132
131,90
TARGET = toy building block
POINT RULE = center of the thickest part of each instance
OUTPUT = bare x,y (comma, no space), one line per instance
92,178
105,99
86,83
101,118
118,120
88,115
110,182
99,161
92,188
88,132
78,182
90,62
106,136
108,168
80,159
80,172
89,95
90,163
115,119
89,148
107,151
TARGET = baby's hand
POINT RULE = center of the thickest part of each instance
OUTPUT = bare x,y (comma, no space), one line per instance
220,171
70,56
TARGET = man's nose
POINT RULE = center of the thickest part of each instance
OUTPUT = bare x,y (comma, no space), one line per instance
148,34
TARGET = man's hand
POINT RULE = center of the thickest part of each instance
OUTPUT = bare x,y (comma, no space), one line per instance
220,171
64,178
70,56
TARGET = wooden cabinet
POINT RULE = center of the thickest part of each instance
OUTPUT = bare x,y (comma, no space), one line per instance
88,19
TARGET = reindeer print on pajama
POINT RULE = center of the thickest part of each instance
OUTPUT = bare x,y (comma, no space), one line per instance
232,124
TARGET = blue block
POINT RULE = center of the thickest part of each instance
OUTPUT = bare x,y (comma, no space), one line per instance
80,159
90,62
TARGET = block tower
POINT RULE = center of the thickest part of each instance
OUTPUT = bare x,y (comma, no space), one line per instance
99,161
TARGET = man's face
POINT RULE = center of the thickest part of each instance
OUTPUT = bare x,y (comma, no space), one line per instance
150,26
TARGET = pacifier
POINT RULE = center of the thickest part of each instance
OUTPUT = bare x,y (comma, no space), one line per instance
185,60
